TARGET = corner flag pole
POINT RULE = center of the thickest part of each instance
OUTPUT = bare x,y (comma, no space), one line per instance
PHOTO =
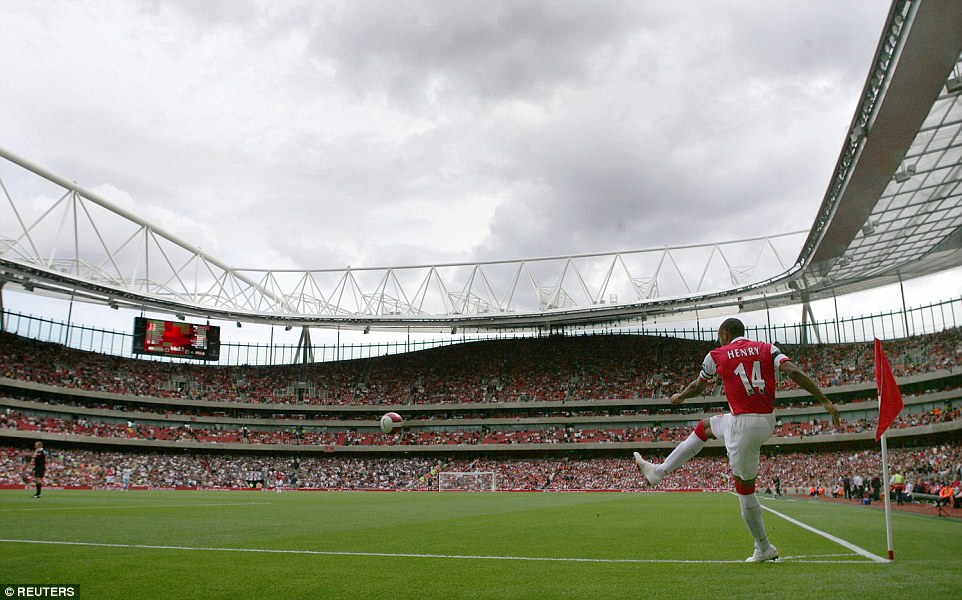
888,499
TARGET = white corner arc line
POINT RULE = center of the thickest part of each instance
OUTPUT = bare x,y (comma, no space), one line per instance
857,549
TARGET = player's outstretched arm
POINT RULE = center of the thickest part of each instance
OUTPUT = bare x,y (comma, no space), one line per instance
695,388
805,382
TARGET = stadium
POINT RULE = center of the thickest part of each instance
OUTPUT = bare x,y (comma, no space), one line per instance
186,461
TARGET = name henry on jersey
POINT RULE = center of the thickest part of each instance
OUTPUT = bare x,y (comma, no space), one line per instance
742,352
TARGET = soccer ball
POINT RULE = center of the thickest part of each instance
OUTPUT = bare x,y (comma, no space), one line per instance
391,421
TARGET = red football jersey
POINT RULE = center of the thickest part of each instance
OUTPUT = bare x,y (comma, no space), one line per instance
747,370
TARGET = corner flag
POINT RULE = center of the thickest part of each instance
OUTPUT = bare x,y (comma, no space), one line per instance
889,407
889,396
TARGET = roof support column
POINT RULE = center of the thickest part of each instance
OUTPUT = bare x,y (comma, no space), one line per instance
806,315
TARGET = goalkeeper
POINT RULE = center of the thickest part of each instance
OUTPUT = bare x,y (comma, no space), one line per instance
747,370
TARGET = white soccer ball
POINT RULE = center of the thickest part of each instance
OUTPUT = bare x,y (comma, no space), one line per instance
391,421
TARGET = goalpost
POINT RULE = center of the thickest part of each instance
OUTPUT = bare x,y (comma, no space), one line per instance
467,481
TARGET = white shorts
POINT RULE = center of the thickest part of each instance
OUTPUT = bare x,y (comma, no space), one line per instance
743,436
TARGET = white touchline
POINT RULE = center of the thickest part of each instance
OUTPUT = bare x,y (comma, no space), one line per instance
410,555
112,507
828,536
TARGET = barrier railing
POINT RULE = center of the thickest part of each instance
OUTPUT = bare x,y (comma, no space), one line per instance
893,324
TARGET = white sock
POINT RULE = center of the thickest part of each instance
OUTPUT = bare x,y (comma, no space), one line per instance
752,515
682,453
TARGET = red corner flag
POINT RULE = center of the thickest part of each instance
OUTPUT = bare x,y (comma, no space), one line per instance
889,396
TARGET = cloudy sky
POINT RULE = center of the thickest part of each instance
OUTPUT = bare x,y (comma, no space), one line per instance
321,134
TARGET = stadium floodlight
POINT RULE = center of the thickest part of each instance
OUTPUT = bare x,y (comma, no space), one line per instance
858,134
904,173
954,85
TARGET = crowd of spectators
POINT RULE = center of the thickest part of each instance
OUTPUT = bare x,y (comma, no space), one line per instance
928,469
858,475
554,368
833,365
304,417
551,369
545,369
220,434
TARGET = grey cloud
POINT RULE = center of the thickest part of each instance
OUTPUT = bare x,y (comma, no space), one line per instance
488,49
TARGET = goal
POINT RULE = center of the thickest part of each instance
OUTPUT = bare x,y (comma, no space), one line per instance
469,481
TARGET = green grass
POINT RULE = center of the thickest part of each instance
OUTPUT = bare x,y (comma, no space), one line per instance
672,527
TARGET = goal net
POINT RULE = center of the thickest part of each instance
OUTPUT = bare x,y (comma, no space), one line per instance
470,481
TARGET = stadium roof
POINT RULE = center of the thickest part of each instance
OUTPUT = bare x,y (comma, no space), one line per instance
892,210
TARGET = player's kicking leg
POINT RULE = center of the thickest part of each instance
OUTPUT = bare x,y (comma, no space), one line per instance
743,441
752,515
682,453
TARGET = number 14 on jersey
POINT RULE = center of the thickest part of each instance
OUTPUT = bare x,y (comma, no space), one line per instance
756,381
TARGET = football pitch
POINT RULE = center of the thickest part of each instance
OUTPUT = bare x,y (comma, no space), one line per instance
462,545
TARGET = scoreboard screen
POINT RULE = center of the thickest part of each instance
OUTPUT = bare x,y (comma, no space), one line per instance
174,338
